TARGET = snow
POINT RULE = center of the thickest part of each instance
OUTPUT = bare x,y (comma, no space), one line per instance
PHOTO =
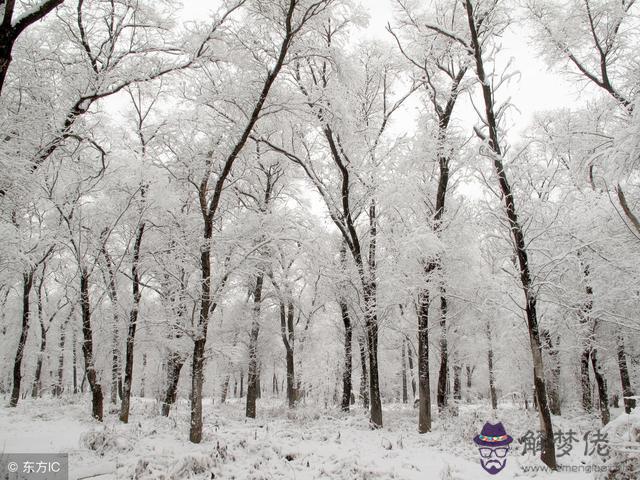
307,443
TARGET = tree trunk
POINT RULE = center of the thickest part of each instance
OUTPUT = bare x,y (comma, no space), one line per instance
35,389
492,382
112,291
602,388
197,360
87,347
548,454
584,380
444,359
252,373
424,413
469,374
27,284
554,383
370,291
364,375
404,373
457,390
225,387
37,380
133,323
627,391
346,372
274,383
75,362
288,339
59,387
241,383
413,378
174,367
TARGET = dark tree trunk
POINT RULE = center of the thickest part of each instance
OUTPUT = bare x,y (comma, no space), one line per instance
469,374
346,372
424,413
252,373
364,376
444,359
27,284
75,362
133,324
370,290
554,383
492,382
404,373
197,360
602,388
143,383
174,367
288,339
585,320
457,390
548,454
585,383
241,383
274,383
35,389
627,391
87,347
59,387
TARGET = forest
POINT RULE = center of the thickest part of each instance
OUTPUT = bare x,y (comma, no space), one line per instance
262,239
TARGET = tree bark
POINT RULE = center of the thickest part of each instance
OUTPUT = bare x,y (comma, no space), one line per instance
585,383
370,290
59,387
424,405
602,388
291,394
174,367
404,373
469,374
492,382
348,361
444,358
35,389
554,383
252,372
75,362
364,376
457,390
27,285
413,378
133,324
87,347
627,391
112,291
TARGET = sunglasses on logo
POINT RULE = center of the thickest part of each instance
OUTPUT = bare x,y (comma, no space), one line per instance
500,452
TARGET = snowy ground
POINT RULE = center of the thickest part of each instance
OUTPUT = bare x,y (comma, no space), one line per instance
305,444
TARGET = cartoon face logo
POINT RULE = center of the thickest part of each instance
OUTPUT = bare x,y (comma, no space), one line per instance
493,445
